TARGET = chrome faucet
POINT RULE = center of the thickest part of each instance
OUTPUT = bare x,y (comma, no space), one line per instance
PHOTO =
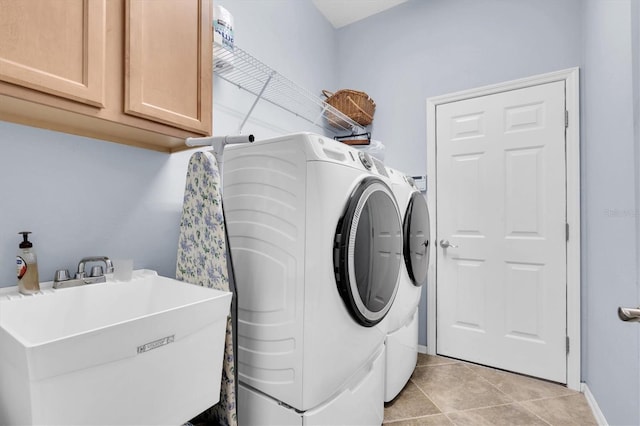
107,263
62,278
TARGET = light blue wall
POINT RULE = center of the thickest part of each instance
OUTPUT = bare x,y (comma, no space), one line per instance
427,48
83,197
635,48
611,349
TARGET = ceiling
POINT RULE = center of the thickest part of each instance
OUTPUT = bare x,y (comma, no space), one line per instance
345,12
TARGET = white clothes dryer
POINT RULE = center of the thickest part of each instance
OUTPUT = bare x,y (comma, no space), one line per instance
315,234
401,323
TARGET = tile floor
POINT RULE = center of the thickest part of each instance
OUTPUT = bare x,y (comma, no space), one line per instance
444,391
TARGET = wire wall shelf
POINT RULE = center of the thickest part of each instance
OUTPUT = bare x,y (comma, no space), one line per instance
248,73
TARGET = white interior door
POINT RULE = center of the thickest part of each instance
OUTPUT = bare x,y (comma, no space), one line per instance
501,205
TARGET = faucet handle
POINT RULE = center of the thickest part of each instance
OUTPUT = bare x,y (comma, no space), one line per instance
109,265
96,271
62,275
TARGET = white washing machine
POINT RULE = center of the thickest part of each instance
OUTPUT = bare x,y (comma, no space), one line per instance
315,234
401,323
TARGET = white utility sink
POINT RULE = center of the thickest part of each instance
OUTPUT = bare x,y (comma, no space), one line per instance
143,352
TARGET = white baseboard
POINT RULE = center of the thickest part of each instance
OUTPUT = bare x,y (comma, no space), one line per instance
422,349
594,405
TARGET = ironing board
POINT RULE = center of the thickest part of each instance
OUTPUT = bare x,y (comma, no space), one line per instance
202,260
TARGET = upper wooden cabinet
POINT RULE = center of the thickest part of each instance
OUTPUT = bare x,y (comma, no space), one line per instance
168,72
130,71
57,47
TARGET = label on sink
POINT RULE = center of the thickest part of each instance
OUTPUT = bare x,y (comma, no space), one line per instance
156,344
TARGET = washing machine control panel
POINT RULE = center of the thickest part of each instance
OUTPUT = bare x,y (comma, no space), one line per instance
366,160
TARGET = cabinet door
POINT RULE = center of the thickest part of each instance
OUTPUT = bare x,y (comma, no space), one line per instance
54,46
168,66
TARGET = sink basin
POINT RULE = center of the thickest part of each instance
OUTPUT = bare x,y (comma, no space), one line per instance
143,352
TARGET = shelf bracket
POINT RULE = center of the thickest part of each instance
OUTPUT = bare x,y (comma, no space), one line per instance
255,102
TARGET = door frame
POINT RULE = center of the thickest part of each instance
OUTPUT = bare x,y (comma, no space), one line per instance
572,137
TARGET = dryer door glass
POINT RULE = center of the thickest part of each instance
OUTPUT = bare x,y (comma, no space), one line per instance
416,239
367,252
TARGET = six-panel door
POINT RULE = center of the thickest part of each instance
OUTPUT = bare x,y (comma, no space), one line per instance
501,199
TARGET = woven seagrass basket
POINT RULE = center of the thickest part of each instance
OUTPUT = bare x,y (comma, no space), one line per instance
358,106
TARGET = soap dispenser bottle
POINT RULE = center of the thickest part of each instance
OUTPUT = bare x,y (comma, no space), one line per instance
27,266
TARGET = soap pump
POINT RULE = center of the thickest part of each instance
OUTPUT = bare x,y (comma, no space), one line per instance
27,266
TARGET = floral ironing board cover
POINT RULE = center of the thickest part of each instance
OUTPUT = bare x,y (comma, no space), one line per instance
202,261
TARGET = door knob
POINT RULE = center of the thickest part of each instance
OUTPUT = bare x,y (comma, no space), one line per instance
629,314
446,244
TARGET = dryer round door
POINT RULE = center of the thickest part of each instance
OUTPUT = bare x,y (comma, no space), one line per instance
368,252
416,239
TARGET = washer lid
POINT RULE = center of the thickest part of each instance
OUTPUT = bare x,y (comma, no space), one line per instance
416,239
367,252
